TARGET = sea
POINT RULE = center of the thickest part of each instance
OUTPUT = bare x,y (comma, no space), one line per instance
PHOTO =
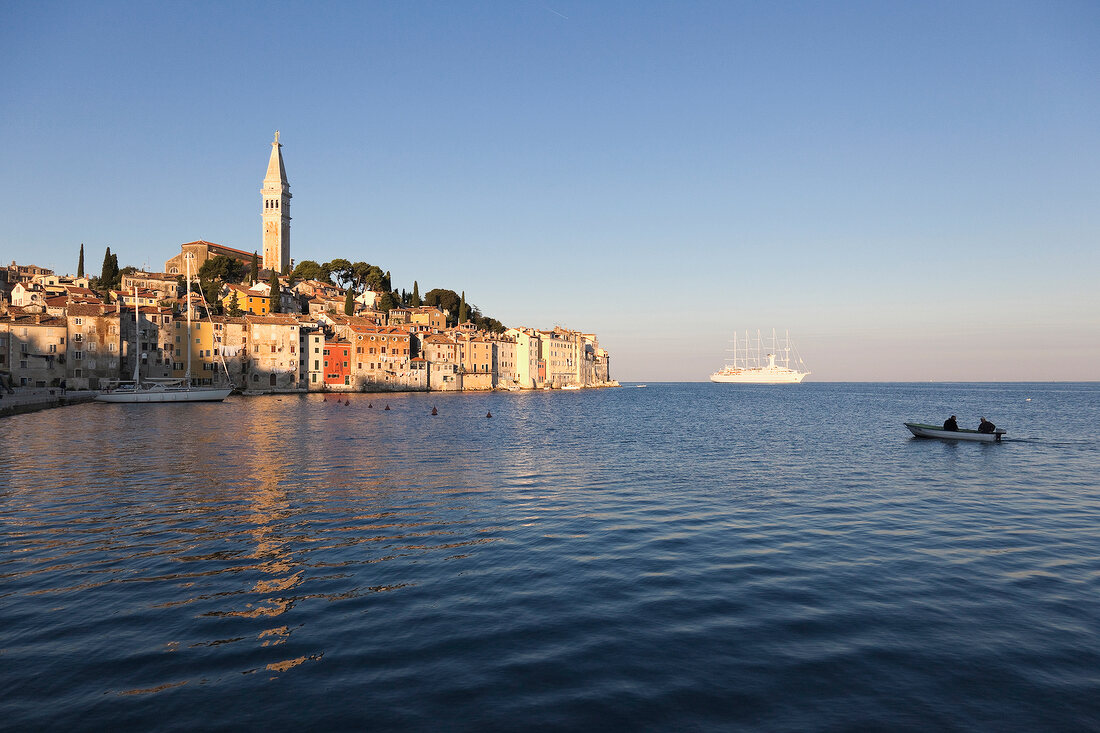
666,557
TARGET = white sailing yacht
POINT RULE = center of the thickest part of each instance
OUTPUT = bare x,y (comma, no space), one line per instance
164,390
750,367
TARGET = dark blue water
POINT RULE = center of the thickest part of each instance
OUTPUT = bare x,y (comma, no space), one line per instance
678,557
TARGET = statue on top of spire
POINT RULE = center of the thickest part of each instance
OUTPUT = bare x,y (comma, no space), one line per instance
276,137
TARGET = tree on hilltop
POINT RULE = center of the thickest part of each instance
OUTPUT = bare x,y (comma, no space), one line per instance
414,299
80,263
310,270
387,302
254,273
225,269
341,270
463,314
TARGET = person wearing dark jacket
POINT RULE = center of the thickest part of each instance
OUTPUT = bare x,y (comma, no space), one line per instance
985,426
950,424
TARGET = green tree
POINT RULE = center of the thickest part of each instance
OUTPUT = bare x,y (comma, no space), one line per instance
349,304
341,270
235,305
108,271
273,293
463,314
445,300
80,263
254,273
414,299
310,270
225,269
387,302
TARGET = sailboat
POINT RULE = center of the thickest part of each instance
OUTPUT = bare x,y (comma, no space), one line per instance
163,390
749,367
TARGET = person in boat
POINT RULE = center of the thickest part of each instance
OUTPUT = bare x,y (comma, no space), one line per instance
951,424
985,426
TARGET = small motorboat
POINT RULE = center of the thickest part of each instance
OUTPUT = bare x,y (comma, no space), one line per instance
937,431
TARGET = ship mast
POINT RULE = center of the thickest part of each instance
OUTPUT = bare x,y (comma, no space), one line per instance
187,376
137,337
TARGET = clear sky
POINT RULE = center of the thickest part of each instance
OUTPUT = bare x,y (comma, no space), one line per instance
912,189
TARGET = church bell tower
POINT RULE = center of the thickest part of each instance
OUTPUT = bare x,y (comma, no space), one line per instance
276,212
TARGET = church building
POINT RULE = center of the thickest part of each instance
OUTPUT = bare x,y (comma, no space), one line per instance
276,212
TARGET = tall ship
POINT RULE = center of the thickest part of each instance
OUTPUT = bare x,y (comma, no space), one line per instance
761,361
165,390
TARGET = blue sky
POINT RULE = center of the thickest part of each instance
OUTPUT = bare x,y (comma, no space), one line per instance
910,188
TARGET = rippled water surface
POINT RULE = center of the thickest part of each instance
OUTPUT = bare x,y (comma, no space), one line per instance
678,557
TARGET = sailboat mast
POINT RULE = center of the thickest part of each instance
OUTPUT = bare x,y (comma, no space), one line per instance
137,337
187,259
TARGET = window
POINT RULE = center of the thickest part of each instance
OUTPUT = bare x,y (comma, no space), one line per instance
78,355
317,364
78,321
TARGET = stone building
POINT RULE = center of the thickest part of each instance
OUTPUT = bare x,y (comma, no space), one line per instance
276,212
203,251
94,347
33,350
272,356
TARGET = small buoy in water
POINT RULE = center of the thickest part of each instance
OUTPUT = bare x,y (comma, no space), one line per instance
1028,400
387,407
369,405
435,411
347,402
488,414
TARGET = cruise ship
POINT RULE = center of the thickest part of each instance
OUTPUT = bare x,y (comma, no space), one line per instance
747,365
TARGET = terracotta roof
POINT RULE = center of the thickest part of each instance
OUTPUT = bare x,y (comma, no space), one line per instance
272,319
89,309
219,246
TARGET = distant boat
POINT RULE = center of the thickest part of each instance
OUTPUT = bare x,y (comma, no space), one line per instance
570,386
937,431
747,365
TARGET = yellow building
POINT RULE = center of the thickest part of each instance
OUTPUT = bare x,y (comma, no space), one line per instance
248,300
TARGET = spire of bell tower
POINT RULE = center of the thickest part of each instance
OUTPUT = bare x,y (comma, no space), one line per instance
276,211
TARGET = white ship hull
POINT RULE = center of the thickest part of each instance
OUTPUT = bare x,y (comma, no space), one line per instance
762,375
168,394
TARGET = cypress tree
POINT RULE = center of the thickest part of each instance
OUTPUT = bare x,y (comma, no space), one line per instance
273,294
415,299
234,305
254,273
349,304
80,264
105,271
462,315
